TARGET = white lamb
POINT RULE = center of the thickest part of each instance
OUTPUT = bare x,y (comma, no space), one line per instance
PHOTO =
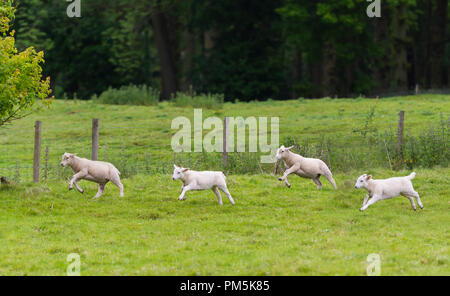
96,171
193,180
387,188
310,168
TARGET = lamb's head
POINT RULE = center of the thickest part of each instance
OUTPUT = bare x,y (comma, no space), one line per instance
282,152
178,172
67,159
362,181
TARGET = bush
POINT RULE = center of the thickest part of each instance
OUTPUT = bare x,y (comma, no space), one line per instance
208,101
129,95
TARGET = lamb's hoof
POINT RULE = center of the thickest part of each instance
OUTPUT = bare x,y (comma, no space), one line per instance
70,188
280,179
361,209
82,191
94,198
288,186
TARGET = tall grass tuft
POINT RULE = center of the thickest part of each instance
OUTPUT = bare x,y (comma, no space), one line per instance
129,95
192,99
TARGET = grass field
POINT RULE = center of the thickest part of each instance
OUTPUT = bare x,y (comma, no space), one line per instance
272,230
140,136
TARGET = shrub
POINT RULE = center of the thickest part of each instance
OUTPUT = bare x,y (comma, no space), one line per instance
129,95
208,101
21,83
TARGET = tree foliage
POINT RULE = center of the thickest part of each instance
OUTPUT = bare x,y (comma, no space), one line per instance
253,49
21,84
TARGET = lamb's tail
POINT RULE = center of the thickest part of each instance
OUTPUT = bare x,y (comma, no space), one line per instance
411,176
329,176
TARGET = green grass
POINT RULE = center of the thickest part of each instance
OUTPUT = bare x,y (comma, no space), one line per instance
137,138
272,230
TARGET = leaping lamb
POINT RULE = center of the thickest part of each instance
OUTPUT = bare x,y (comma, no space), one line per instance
193,180
388,188
311,168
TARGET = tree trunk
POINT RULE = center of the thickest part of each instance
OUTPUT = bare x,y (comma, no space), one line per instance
383,40
168,70
400,47
328,64
429,41
186,58
438,46
295,72
208,42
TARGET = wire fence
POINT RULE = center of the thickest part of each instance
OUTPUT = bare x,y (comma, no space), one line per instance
135,150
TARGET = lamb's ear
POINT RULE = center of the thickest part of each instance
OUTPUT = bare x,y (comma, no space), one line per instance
185,170
369,177
289,148
175,166
282,146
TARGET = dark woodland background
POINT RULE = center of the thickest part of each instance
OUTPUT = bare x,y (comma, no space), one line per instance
246,50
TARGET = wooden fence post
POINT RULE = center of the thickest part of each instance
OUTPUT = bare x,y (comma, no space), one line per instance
401,118
37,151
225,141
94,155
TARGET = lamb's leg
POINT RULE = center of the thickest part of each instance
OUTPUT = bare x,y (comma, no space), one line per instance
373,200
217,193
116,181
225,190
289,171
365,199
411,199
80,175
419,202
413,204
78,187
319,184
183,193
330,179
101,189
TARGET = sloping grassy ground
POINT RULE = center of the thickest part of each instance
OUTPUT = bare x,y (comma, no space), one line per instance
140,136
272,230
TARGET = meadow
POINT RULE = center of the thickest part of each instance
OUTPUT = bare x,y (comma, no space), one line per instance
272,230
346,133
